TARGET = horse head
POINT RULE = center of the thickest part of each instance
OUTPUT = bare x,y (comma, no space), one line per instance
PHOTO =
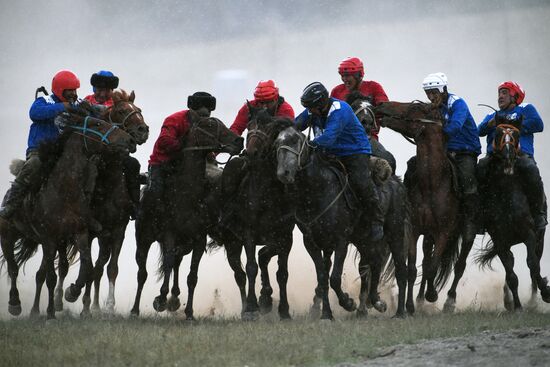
506,143
211,134
362,107
257,139
413,120
292,154
125,114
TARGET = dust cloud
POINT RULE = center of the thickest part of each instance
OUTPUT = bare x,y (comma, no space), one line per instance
168,50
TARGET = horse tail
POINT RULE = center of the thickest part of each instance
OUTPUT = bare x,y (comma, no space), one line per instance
16,165
24,249
488,253
448,259
160,263
72,253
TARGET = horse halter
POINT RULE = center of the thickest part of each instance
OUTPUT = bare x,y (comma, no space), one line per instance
298,154
84,130
365,106
196,127
507,138
125,119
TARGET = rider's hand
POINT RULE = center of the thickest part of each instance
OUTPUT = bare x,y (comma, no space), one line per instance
492,122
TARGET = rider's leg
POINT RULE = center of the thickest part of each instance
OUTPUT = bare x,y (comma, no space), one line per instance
466,164
482,187
130,168
410,175
533,188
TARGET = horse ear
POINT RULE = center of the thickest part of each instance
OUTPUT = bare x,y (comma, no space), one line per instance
132,97
116,96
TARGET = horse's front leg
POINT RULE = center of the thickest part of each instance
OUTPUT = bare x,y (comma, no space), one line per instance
192,278
507,259
264,256
460,266
533,262
86,268
40,279
282,279
168,259
234,250
441,243
364,271
251,311
51,279
336,278
117,239
7,242
102,258
63,268
174,301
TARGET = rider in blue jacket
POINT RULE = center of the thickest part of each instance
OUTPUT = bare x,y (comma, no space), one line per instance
42,113
510,98
463,145
338,132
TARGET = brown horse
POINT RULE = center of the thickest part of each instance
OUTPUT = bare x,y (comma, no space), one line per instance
181,227
436,211
60,213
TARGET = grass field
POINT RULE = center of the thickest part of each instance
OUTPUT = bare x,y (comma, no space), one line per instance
165,341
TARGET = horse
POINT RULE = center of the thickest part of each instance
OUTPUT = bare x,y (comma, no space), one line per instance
264,216
329,222
436,208
506,214
181,227
59,213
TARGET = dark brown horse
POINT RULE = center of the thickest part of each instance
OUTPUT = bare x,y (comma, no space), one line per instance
60,214
436,211
506,214
181,226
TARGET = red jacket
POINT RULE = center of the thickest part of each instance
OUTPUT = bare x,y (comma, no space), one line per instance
241,121
168,143
367,88
91,99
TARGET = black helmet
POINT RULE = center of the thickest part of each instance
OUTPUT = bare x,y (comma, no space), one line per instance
201,99
314,95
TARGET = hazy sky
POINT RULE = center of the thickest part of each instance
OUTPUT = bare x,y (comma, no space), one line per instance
166,50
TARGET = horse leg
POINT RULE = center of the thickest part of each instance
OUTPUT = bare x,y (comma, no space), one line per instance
192,277
168,259
435,263
362,311
102,258
87,299
398,255
51,279
375,264
143,244
174,301
86,268
63,266
411,273
507,259
264,256
7,243
460,266
234,250
117,238
533,262
282,279
251,272
427,249
539,249
40,279
344,299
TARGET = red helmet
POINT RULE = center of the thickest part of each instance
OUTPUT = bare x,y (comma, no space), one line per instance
64,79
514,89
266,90
351,65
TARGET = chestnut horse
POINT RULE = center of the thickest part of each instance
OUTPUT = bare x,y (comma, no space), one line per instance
436,210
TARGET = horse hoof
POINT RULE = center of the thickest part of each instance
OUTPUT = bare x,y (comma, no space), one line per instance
545,294
85,314
449,306
174,304
189,318
159,304
14,310
58,305
362,314
285,316
134,314
380,306
51,319
326,318
400,315
266,304
315,312
35,314
348,304
431,296
72,293
250,316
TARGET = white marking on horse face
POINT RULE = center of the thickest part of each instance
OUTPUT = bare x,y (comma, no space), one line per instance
507,138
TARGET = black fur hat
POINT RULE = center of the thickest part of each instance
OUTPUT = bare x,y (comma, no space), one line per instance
104,79
201,99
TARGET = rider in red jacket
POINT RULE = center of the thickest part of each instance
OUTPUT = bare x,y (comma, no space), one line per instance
266,95
352,72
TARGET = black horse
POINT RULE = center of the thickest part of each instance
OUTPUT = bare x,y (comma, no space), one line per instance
329,220
506,213
261,215
181,226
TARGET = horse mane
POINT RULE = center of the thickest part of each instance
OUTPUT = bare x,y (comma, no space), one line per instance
356,95
120,95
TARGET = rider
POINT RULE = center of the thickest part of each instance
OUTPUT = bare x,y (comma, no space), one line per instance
510,98
351,70
266,95
103,83
43,129
338,132
463,144
169,142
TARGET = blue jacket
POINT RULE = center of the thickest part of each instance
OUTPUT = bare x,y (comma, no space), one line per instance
459,126
340,134
532,123
42,113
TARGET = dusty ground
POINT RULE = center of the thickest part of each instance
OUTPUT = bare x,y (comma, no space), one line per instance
523,347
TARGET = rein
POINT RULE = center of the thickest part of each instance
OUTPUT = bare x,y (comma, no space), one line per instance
507,138
216,137
84,129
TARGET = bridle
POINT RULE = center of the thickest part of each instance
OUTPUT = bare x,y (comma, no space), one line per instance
216,137
84,130
298,153
413,139
122,124
507,138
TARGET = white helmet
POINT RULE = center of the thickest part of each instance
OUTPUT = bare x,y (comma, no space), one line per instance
435,81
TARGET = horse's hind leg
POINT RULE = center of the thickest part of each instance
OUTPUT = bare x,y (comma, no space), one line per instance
264,256
40,279
321,264
363,293
51,279
344,299
112,269
282,279
63,266
7,241
142,251
533,262
86,268
427,249
507,259
539,249
174,301
375,264
398,255
102,258
460,266
192,278
411,274
234,250
168,259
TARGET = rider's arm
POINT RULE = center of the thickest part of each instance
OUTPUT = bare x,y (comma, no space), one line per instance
457,118
532,122
301,122
171,132
241,121
42,110
484,128
334,127
285,110
379,95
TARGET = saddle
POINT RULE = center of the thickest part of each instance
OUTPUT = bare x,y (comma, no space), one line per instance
454,175
338,169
